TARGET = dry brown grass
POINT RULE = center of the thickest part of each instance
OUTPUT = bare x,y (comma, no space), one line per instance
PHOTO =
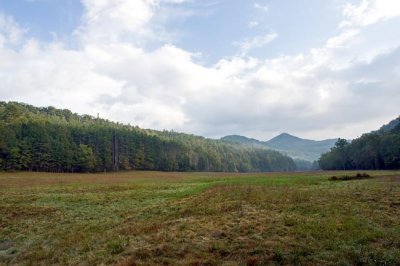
151,218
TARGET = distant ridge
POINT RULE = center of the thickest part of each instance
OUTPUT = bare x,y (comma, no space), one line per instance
242,140
295,147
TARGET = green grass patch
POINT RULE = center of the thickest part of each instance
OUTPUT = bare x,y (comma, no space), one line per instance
151,218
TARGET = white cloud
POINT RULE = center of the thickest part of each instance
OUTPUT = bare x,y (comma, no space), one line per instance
369,12
110,20
235,66
253,24
342,39
256,42
261,7
112,73
10,32
114,20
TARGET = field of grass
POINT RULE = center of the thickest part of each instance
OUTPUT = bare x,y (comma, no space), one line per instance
147,218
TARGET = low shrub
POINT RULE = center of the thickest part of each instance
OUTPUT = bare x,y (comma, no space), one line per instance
349,177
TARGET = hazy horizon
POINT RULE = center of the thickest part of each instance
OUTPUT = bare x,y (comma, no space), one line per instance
313,69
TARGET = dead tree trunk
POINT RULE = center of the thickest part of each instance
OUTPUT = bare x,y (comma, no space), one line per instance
115,153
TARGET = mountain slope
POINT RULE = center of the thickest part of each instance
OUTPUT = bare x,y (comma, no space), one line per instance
295,147
299,148
390,126
54,140
242,140
376,150
245,141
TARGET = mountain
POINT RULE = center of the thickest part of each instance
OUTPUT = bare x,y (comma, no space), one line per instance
390,126
299,148
245,141
241,140
286,141
295,147
55,140
375,150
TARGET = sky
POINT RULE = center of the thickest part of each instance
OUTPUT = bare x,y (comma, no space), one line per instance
311,68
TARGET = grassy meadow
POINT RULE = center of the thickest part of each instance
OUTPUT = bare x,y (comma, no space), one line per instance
153,218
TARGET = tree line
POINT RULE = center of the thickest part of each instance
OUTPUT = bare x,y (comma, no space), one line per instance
55,140
372,151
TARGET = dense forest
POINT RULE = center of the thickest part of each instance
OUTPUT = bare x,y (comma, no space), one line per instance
54,140
376,150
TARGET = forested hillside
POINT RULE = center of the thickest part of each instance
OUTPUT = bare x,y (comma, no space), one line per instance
299,148
304,151
50,139
376,150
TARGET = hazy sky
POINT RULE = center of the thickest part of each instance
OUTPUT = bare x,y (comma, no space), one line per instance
316,69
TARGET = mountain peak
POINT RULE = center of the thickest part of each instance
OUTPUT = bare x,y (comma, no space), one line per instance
284,136
290,145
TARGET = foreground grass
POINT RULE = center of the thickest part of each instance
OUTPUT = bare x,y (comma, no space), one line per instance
146,218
